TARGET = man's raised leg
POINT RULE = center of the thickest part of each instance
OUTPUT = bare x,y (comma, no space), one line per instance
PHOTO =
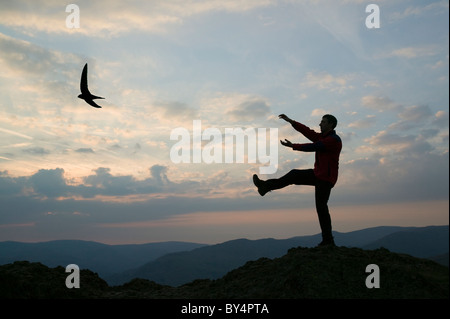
295,176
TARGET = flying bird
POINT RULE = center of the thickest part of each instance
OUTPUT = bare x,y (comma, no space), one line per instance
85,94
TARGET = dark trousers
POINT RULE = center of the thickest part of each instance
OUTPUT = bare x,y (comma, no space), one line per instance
322,194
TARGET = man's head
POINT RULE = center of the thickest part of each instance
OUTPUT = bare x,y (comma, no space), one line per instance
328,123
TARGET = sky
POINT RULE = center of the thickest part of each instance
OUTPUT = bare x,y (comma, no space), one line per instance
70,171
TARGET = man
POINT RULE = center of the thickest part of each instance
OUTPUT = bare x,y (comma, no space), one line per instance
323,177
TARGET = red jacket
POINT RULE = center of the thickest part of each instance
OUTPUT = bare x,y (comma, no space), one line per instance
327,148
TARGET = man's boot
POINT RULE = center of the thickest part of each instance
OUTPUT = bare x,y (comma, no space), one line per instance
262,188
327,241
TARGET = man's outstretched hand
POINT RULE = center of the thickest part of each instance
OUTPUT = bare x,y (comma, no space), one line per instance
286,143
285,117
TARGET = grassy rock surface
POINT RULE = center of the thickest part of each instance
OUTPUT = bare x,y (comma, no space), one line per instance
316,273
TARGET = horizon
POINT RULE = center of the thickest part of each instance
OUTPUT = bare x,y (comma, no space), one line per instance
214,243
68,170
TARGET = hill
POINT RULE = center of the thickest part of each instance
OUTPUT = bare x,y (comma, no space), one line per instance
212,262
178,263
423,242
98,257
334,273
317,273
206,262
441,259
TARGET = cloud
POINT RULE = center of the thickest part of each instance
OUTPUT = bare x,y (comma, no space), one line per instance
10,185
393,141
385,139
340,19
411,117
326,81
85,150
22,55
415,113
37,151
96,18
175,112
232,108
57,205
249,110
413,52
396,179
319,112
99,19
39,89
104,197
23,58
414,138
366,122
159,174
441,119
162,64
50,183
379,103
4,130
417,11
34,77
104,183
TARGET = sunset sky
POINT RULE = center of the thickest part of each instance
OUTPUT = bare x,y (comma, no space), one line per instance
70,171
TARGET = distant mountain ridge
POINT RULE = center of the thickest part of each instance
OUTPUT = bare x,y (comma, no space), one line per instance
423,242
101,258
212,262
176,263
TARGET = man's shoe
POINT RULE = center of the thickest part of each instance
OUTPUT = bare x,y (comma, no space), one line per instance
262,190
327,243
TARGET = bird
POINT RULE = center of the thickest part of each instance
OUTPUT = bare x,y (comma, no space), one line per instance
85,94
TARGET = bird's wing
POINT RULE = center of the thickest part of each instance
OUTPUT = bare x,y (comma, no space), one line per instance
92,103
84,83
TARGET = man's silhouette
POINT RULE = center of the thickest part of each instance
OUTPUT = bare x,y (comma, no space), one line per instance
323,177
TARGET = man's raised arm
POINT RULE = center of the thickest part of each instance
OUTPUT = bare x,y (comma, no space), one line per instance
306,131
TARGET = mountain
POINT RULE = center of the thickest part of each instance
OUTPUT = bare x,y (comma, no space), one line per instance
206,262
312,273
101,258
212,262
423,242
177,263
25,280
331,273
441,259
362,237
